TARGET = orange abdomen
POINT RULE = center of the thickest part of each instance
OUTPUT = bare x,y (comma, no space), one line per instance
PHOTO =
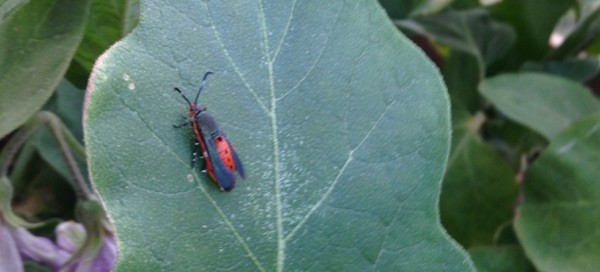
224,150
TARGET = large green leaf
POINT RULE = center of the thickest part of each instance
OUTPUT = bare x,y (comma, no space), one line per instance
343,126
546,104
557,223
479,187
37,41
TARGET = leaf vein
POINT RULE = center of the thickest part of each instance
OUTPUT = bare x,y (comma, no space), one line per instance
285,32
317,60
232,63
281,243
337,178
382,249
203,189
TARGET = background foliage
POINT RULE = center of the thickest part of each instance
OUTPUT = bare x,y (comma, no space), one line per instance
520,191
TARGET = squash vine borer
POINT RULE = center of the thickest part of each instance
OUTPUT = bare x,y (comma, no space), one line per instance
220,159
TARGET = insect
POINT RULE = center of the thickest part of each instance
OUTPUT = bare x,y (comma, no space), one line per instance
220,159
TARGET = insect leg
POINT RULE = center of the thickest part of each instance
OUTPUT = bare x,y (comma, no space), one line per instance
195,152
182,125
203,168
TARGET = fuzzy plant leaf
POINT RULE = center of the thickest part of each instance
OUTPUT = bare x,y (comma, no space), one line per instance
37,41
342,125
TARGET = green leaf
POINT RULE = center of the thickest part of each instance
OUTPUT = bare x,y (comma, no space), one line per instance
402,9
557,223
546,104
109,22
465,4
503,258
533,22
479,188
472,31
38,41
342,125
478,41
67,103
9,6
462,75
577,69
587,32
511,139
506,236
30,266
594,48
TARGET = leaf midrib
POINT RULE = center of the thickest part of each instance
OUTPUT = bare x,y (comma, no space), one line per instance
281,243
271,111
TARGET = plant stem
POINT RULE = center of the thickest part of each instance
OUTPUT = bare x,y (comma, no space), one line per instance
81,187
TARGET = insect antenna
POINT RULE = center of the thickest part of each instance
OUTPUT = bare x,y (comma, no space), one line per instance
201,86
184,97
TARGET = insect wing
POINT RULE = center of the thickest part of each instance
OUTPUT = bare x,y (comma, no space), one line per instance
227,153
238,164
222,174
